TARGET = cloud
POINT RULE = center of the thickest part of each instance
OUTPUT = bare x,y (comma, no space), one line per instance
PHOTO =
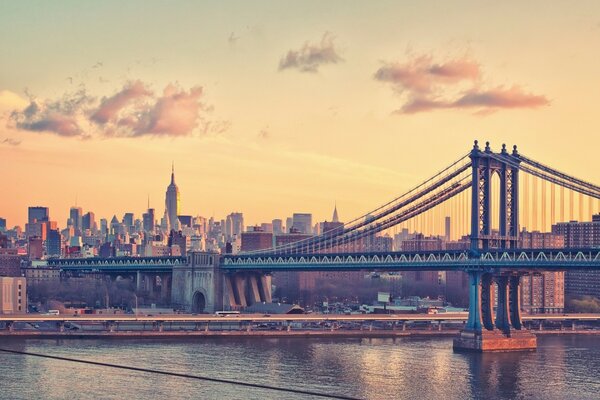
110,106
175,113
452,84
133,111
421,75
56,116
312,55
499,97
10,142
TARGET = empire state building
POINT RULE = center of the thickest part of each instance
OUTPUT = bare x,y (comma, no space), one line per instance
172,202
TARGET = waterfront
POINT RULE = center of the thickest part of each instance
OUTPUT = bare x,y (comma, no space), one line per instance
562,367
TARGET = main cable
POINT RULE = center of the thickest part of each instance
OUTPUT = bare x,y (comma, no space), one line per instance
181,375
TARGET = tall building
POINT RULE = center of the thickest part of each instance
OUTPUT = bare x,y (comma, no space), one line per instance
37,213
88,221
2,225
35,248
13,295
10,262
76,217
581,234
54,243
148,220
256,239
128,221
277,226
543,293
302,222
447,229
185,220
172,200
234,224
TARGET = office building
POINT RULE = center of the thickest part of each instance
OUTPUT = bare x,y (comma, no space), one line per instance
302,222
13,295
76,218
148,220
172,203
10,262
256,239
581,234
88,221
543,293
54,243
37,213
277,226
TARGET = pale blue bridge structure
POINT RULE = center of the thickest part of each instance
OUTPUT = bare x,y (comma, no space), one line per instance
493,257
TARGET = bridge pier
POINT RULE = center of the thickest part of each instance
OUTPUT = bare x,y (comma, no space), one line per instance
482,333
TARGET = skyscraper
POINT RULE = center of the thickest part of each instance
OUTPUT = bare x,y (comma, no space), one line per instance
2,225
172,202
148,219
38,214
89,221
76,215
54,243
302,222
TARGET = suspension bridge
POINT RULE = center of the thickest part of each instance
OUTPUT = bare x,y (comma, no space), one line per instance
487,196
482,191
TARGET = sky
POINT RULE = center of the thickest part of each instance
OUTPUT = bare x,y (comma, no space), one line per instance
275,107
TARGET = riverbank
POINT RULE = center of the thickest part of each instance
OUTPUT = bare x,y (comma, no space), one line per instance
381,334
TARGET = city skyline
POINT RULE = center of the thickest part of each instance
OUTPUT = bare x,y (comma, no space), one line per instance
253,136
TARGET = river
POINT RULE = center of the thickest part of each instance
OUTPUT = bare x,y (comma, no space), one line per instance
562,367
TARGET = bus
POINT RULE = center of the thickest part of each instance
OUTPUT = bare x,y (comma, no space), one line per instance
226,313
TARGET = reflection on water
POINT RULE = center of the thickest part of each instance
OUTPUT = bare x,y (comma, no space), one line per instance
562,367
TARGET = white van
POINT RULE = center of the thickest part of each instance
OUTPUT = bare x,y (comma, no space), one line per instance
53,312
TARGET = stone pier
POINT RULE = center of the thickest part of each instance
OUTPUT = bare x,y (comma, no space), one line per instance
502,332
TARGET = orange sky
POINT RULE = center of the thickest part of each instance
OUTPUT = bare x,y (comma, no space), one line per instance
272,108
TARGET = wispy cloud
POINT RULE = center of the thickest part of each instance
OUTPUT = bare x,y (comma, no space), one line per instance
457,83
311,56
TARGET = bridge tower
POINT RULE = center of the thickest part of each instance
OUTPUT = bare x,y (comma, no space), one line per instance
485,331
484,165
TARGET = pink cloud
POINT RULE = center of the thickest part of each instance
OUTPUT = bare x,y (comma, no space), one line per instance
110,106
175,113
486,101
430,86
499,97
422,75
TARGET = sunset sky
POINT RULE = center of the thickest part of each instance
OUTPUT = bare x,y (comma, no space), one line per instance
275,107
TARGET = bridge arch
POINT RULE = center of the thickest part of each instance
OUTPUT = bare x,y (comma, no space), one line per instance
198,302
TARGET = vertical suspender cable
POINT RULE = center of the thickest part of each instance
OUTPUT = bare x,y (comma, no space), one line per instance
543,221
534,201
571,205
562,204
552,205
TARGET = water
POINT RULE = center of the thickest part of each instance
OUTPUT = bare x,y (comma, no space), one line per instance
562,367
